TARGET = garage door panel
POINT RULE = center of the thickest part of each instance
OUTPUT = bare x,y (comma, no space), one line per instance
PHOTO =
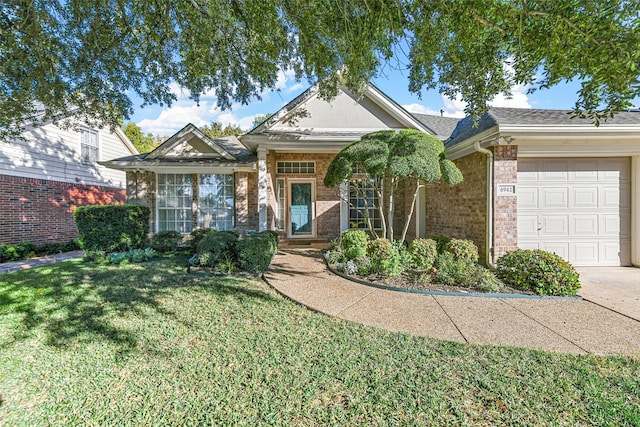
584,170
554,197
583,197
554,170
528,198
555,225
584,253
528,225
584,225
577,208
558,248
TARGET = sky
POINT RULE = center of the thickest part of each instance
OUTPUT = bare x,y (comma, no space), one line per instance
165,121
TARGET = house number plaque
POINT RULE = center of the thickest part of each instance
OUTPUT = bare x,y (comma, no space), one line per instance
505,189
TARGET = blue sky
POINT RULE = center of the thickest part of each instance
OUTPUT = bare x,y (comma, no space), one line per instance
165,121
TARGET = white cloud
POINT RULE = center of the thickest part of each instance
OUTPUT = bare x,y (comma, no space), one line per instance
518,98
451,108
174,118
242,122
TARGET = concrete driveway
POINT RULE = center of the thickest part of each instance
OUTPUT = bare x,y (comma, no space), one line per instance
616,288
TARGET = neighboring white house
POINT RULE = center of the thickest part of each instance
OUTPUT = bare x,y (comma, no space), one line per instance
49,171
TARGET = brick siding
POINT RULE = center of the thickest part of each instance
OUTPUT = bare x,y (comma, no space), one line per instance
41,211
505,223
460,211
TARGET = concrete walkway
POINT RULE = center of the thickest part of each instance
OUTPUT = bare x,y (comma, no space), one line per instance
8,267
617,288
569,326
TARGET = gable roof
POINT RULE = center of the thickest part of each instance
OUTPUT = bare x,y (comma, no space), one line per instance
534,118
309,123
192,149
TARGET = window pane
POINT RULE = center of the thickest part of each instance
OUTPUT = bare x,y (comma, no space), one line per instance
174,202
216,201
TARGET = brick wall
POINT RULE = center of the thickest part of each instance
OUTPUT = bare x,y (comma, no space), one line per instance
141,190
461,210
40,211
505,228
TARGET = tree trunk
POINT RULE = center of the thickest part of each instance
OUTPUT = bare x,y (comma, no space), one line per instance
413,205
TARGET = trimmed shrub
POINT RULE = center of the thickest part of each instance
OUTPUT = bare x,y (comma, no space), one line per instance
354,243
463,249
21,250
460,272
423,253
256,252
539,271
441,243
112,228
216,247
166,241
197,235
385,258
363,265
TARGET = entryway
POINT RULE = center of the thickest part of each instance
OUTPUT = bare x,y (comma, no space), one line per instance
301,199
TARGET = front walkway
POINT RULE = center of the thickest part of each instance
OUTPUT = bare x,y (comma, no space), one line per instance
22,264
569,326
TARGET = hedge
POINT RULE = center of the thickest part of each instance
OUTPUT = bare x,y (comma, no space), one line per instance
112,228
256,252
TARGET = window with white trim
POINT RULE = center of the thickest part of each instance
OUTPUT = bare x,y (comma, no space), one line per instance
363,203
88,146
280,191
296,167
215,201
175,202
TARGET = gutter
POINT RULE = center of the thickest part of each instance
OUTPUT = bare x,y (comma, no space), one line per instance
489,232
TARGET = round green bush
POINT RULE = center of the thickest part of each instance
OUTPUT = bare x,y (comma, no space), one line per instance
385,258
354,243
441,243
539,271
423,253
463,249
256,252
166,241
217,247
197,235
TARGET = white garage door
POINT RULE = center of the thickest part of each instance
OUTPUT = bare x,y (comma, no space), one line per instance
577,208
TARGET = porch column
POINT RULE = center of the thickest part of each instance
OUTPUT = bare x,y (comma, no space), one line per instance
262,189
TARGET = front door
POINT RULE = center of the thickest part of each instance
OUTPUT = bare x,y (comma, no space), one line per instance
301,209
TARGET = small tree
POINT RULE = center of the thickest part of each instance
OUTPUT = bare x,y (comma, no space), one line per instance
387,158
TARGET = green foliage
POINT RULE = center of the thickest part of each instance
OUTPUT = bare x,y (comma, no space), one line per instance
216,247
112,228
15,252
539,271
197,235
423,253
462,272
354,243
143,143
216,130
441,243
133,256
364,267
166,241
463,249
456,47
226,266
385,257
390,156
256,252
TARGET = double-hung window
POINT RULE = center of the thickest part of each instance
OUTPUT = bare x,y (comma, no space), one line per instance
215,201
175,202
89,146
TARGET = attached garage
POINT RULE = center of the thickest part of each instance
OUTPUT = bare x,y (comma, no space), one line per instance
578,208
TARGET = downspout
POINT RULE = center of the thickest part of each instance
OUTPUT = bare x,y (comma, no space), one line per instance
489,234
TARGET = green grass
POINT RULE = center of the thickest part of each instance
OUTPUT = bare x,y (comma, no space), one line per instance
148,344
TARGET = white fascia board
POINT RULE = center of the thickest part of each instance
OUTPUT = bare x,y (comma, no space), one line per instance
466,147
399,113
126,141
568,132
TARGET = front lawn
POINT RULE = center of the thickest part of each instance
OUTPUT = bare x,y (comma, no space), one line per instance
148,344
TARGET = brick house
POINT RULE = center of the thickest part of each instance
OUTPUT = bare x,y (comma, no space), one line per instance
48,171
532,178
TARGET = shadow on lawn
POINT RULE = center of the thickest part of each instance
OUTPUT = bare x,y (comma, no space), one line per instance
74,302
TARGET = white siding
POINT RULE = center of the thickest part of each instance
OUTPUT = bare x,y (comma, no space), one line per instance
51,153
